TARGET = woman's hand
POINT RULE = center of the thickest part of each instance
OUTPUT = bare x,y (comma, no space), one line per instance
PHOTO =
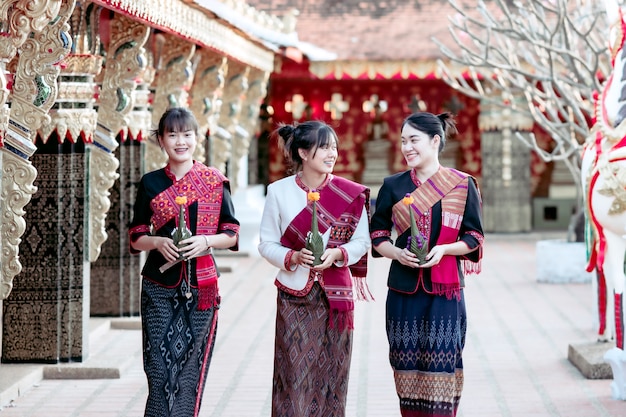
434,256
407,258
329,257
166,247
194,246
303,257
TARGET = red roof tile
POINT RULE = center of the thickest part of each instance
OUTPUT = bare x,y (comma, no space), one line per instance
370,30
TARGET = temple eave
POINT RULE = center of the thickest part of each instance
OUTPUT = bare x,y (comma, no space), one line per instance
180,19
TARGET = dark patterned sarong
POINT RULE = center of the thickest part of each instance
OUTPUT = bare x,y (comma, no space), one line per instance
311,359
426,338
175,354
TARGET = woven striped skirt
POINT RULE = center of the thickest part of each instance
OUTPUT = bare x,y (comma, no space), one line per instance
175,353
426,336
311,360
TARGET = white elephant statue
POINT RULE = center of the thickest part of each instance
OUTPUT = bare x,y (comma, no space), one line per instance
603,173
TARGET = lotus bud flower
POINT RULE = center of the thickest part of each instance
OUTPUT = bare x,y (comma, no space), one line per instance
416,242
314,241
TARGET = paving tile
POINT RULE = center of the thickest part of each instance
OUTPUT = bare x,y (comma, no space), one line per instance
515,357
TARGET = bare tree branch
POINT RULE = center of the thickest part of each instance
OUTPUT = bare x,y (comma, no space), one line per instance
551,53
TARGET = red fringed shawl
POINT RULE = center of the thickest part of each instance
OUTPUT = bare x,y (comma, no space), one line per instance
205,186
450,187
339,208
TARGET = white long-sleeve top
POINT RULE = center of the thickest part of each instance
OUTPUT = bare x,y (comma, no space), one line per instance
284,201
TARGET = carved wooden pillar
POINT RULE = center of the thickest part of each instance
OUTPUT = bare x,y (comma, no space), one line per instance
116,280
505,187
174,78
246,199
46,316
248,123
206,97
74,118
232,100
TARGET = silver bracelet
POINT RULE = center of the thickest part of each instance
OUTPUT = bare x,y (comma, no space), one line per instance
206,240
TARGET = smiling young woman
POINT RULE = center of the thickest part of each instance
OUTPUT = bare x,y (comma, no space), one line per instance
440,208
316,294
181,211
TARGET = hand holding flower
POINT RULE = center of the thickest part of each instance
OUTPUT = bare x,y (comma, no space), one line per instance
417,243
181,232
166,247
328,258
193,246
314,241
302,257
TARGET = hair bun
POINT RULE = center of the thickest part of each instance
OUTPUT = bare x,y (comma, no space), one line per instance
286,131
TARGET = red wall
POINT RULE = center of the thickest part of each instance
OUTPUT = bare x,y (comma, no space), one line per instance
352,128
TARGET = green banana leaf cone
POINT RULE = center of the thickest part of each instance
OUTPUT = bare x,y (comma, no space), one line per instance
315,244
314,241
417,242
419,246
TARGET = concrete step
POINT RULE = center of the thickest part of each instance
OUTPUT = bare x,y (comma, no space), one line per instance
105,360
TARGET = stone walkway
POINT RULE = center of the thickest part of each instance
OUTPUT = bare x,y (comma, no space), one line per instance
515,358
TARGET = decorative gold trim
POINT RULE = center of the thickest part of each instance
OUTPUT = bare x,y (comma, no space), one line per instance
82,65
70,91
139,123
76,122
427,68
141,98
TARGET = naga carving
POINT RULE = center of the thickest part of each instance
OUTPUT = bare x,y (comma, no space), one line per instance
39,29
249,119
126,61
103,167
174,78
232,101
206,95
18,19
18,176
35,86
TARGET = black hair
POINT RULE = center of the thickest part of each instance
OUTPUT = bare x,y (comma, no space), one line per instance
308,135
442,124
176,119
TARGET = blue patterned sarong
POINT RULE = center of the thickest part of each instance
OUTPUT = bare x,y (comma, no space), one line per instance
426,336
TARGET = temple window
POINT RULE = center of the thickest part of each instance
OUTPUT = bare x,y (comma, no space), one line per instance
374,102
416,104
296,106
336,106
